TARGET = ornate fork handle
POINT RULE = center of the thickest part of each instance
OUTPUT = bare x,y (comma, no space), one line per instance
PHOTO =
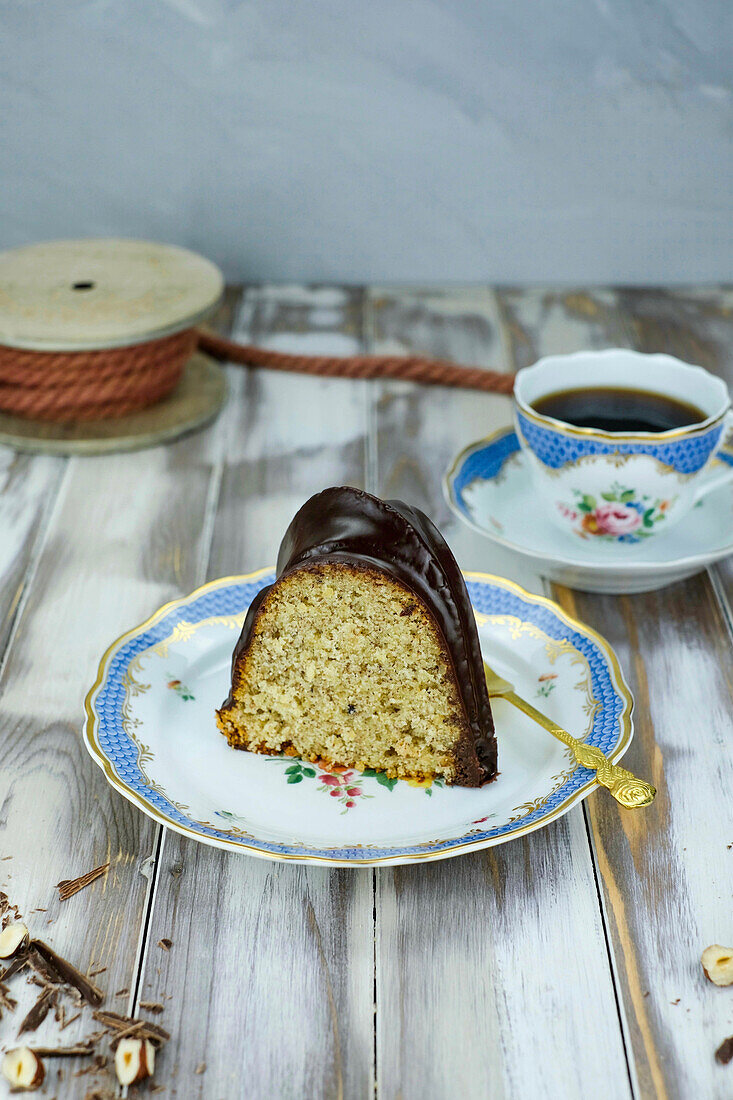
625,787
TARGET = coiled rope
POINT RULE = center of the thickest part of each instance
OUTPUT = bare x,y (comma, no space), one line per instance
112,382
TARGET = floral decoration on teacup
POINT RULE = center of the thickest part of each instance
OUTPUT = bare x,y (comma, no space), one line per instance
622,515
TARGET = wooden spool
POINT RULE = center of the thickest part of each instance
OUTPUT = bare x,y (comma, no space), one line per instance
84,295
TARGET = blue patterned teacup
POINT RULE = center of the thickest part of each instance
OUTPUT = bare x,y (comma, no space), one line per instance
615,487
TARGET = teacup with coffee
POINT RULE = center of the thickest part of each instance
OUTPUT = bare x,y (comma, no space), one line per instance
620,444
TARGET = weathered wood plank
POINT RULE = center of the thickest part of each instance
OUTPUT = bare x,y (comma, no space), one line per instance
28,486
419,429
126,534
543,321
667,872
493,976
271,968
667,876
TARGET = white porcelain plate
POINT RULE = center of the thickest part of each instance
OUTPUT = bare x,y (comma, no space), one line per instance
150,726
488,486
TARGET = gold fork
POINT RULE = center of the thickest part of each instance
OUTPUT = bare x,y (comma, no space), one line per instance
625,787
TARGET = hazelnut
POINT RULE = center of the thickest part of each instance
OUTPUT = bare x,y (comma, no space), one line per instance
134,1060
11,938
23,1070
717,962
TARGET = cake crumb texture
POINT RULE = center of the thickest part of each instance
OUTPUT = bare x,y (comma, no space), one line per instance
346,665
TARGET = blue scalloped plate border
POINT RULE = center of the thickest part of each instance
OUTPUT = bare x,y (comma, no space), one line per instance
114,751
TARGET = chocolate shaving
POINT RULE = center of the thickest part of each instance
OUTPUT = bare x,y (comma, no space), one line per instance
58,971
8,911
99,1094
70,1020
165,943
141,1029
127,1027
47,974
70,886
96,1037
19,963
97,971
122,992
152,1006
79,1050
6,1001
724,1053
111,1019
38,1013
200,1068
98,1064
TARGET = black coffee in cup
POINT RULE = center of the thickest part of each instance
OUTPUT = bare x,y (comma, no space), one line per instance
612,409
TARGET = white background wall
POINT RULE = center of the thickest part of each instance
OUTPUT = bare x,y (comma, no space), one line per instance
431,140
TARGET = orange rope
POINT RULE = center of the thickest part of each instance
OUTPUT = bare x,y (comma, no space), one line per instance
413,368
91,385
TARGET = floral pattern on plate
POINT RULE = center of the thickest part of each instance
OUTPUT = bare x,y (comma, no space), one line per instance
546,685
181,690
346,784
343,784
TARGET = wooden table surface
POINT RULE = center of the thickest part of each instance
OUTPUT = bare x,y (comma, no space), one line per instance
562,964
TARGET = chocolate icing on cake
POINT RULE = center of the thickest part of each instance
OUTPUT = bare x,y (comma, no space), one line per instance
351,526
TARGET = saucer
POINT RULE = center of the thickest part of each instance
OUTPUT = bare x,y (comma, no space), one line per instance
488,486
